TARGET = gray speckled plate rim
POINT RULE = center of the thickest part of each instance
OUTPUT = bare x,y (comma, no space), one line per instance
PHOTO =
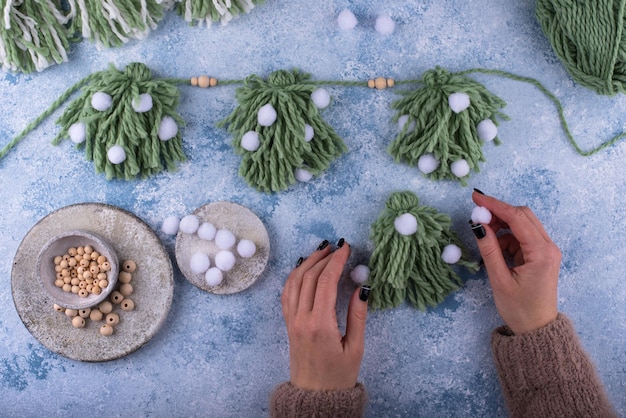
136,328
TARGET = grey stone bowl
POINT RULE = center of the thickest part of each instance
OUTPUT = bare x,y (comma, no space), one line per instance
58,245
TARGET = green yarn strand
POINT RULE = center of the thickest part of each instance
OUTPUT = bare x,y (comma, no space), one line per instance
198,11
410,267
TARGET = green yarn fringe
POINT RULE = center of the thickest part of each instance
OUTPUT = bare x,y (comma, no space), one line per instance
434,128
198,11
283,147
32,35
410,267
136,132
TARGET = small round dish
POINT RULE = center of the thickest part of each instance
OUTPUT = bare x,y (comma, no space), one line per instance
58,246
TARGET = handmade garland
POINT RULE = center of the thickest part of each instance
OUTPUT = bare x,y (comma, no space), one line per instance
414,253
130,127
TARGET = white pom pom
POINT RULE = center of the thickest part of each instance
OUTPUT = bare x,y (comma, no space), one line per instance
143,103
487,130
458,102
481,215
167,129
360,274
321,98
460,168
101,101
77,132
385,25
246,248
402,121
405,224
346,20
170,225
250,141
266,115
451,254
189,224
308,132
225,239
427,163
214,276
207,231
116,154
199,263
303,175
225,260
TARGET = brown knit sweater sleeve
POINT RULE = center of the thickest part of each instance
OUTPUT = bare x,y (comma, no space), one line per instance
546,373
290,401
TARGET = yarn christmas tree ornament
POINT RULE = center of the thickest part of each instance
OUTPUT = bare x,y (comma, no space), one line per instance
414,253
199,11
278,129
32,35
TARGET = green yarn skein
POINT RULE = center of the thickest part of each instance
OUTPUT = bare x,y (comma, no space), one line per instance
198,11
434,128
589,38
410,266
283,147
136,132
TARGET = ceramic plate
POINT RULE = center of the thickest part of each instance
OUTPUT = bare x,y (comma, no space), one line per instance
153,284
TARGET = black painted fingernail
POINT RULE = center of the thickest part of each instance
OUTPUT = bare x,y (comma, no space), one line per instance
364,293
323,245
478,191
479,231
300,260
341,242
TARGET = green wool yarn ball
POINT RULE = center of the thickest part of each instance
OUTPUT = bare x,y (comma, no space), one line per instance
587,37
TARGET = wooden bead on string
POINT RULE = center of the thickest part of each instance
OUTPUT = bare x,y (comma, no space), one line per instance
204,81
381,83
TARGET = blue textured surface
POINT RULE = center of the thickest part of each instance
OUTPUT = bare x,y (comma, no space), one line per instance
221,355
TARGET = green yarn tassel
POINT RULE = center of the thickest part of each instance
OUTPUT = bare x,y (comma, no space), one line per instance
433,128
32,35
145,135
111,23
198,11
282,147
410,266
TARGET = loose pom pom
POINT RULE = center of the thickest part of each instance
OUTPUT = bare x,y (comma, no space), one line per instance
189,224
214,276
427,163
170,225
250,141
308,132
168,128
199,263
225,239
142,104
405,224
481,215
267,115
321,98
451,254
460,168
385,25
487,130
303,175
116,154
225,260
207,231
101,101
346,20
246,248
360,274
77,132
459,102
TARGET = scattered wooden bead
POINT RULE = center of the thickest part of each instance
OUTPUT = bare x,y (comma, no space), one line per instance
117,297
96,315
106,330
126,289
78,322
129,266
71,312
124,277
58,308
112,319
84,313
105,307
127,305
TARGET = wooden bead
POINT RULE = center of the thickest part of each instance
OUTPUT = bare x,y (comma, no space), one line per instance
112,319
106,266
94,255
75,289
72,251
117,297
78,322
103,283
58,308
84,263
95,270
194,81
106,330
71,312
88,249
124,277
101,259
205,81
58,268
64,264
101,276
96,315
83,293
80,250
84,313
127,305
59,282
126,289
129,266
72,262
57,260
67,287
59,275
82,284
75,281
106,307
96,290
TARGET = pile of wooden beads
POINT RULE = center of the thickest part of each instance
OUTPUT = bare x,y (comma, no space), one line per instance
82,271
104,311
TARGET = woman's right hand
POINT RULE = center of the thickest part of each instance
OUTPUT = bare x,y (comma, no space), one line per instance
525,294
